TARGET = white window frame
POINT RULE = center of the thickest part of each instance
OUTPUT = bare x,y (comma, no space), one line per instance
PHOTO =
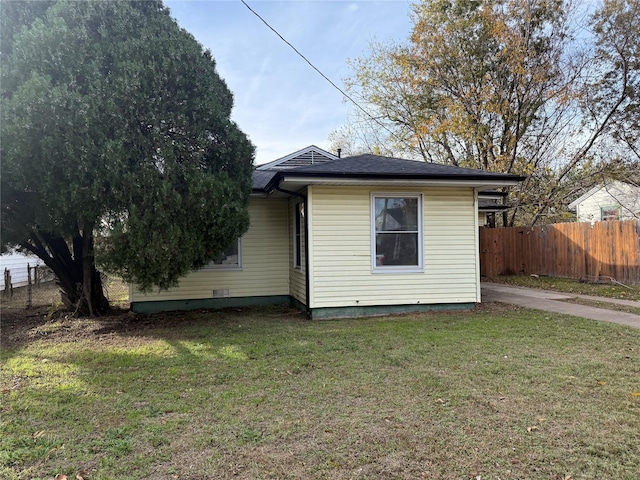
375,268
227,267
298,234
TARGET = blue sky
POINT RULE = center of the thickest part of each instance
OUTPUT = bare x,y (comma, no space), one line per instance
281,103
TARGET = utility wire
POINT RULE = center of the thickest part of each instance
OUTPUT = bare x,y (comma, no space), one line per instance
348,97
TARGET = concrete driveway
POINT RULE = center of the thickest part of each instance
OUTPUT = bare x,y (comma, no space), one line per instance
556,302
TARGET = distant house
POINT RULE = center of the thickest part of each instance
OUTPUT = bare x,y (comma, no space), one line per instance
341,237
16,265
612,201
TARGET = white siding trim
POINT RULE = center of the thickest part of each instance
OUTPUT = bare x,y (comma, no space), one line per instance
309,247
476,229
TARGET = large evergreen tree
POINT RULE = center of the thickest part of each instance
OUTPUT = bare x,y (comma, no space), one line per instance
117,146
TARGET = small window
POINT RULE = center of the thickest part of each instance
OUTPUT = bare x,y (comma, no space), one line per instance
610,213
396,233
298,215
230,259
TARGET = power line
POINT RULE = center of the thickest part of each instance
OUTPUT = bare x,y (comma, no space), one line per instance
348,97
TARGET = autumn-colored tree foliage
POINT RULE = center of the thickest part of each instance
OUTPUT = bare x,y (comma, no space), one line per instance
117,147
515,86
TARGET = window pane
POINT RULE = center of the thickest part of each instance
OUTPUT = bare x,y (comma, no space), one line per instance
396,214
229,257
396,249
398,231
610,213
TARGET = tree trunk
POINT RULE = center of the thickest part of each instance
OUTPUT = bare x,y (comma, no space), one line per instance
75,270
90,303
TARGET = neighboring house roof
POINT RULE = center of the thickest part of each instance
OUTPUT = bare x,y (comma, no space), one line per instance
373,169
572,206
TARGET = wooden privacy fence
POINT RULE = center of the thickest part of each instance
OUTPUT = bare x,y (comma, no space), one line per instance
574,250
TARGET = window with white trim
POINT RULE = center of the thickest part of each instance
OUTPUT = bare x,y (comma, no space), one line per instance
230,259
298,232
396,231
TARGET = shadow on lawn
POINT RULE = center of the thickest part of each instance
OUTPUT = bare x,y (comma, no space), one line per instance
20,327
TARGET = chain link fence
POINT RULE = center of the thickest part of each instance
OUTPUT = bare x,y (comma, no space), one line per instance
40,289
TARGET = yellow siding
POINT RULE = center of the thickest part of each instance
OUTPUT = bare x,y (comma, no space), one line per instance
297,276
265,261
341,246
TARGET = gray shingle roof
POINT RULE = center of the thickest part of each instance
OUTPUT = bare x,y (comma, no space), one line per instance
262,177
375,165
379,167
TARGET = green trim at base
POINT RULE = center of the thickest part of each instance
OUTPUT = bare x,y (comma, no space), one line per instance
299,305
206,303
370,311
314,313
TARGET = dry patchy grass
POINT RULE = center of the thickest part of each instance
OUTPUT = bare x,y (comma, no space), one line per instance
499,392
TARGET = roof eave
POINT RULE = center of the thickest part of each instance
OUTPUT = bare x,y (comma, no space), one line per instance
342,179
445,180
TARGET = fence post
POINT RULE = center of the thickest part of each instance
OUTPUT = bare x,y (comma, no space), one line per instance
29,293
8,287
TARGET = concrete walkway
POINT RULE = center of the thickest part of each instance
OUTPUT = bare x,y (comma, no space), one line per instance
556,302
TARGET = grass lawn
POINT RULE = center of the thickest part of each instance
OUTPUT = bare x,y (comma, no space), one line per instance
570,285
497,393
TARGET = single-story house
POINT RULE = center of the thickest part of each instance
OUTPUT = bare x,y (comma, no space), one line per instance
611,201
351,236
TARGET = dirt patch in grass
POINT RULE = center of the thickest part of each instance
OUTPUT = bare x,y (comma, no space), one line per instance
24,326
21,326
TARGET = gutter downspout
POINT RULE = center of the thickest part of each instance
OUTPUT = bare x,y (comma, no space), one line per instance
306,243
